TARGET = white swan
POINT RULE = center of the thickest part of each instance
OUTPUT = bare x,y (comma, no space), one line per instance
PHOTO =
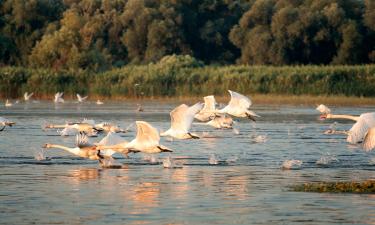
361,130
58,97
27,96
4,122
146,141
221,121
98,102
238,106
81,99
181,119
113,143
83,148
68,128
208,111
8,103
109,127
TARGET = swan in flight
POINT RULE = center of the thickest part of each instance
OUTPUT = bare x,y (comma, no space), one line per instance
58,97
115,143
81,99
98,102
146,141
181,119
8,103
108,127
361,131
86,126
221,121
207,113
83,149
4,122
238,106
323,109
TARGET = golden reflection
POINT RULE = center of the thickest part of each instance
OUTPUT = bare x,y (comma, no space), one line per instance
81,174
180,183
236,187
144,196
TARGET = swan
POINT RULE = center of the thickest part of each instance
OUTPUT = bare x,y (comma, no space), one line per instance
27,96
8,103
323,109
108,127
4,122
207,113
58,97
360,130
181,119
81,99
146,141
83,148
98,102
85,126
114,143
221,121
238,106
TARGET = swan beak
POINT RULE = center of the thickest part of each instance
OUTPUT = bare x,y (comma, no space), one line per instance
45,146
323,117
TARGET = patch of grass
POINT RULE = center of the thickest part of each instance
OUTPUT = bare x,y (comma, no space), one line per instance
363,187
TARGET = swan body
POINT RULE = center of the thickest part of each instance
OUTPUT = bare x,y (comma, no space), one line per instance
4,122
58,97
181,119
27,96
207,112
221,122
81,99
238,106
98,102
108,127
146,140
111,144
69,128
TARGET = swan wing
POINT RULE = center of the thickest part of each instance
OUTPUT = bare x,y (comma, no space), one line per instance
79,97
238,100
147,135
189,115
369,141
111,139
90,122
82,140
178,117
209,103
357,132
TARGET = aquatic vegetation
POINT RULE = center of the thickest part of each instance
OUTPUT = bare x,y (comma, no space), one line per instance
337,187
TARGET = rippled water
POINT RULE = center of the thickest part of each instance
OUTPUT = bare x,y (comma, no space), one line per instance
246,185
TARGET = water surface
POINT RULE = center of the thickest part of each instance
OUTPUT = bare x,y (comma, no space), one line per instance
246,186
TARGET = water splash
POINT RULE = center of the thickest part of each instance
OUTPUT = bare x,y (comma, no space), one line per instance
109,163
291,164
232,159
260,138
40,155
152,158
372,161
127,129
213,160
327,159
236,131
170,163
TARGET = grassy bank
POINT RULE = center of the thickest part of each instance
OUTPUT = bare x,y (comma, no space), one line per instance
366,187
184,78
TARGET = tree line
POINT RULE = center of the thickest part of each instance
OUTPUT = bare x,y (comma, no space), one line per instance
103,34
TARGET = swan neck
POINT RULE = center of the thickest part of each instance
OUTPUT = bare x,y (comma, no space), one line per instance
349,117
64,148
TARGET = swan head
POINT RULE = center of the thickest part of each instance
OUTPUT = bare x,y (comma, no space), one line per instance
325,116
47,145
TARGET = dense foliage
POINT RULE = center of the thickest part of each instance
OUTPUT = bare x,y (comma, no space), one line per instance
180,76
101,34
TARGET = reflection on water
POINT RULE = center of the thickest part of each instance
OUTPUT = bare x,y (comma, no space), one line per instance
227,177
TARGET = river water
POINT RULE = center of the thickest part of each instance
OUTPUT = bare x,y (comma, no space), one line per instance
227,177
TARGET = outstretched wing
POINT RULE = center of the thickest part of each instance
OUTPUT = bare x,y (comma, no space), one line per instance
82,140
238,100
369,141
177,117
147,134
189,115
209,103
111,139
357,132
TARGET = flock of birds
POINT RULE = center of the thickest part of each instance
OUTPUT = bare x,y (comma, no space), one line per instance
147,138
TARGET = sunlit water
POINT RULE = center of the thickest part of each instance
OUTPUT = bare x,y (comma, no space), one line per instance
228,177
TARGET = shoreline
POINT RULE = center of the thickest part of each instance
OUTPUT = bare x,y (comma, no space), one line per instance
257,99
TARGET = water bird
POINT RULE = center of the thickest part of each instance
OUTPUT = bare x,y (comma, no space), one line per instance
361,131
221,122
27,96
8,103
113,143
58,97
83,148
109,127
87,126
181,119
80,98
98,102
238,106
4,122
146,141
208,110
139,108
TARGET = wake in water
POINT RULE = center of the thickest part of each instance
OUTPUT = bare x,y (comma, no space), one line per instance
40,155
170,163
152,158
327,160
213,160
